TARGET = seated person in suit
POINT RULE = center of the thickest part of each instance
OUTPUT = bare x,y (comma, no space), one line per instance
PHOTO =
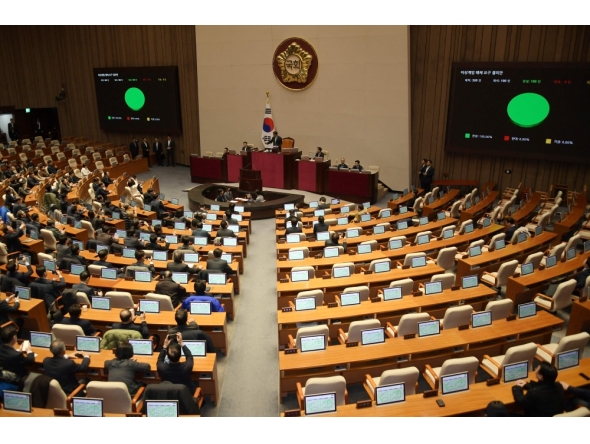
102,256
544,397
8,306
63,368
581,396
75,311
11,359
359,212
76,255
320,226
319,153
334,239
198,230
127,323
322,205
178,266
174,370
228,197
224,231
123,368
580,278
342,164
132,241
63,250
140,261
245,147
170,288
47,289
357,165
511,227
190,330
13,232
185,246
12,272
83,287
228,218
259,196
200,296
218,264
292,215
293,227
154,245
220,195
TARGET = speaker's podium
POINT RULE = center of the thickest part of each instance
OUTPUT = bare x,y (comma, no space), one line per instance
311,174
250,180
278,170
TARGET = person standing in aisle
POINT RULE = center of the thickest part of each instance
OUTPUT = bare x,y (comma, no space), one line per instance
170,145
158,151
145,150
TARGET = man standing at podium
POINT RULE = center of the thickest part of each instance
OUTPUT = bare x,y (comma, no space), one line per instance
276,141
245,147
319,153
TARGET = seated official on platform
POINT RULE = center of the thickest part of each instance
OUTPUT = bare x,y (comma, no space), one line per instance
190,330
168,287
200,296
63,367
342,164
319,153
334,239
357,165
245,147
123,368
220,195
75,311
127,323
175,371
544,397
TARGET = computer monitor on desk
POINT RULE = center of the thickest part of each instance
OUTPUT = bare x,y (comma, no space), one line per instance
527,310
317,404
567,359
516,371
296,255
527,268
458,382
331,252
302,304
428,328
299,276
469,281
323,236
313,343
390,394
350,299
434,287
373,336
481,319
392,293
551,261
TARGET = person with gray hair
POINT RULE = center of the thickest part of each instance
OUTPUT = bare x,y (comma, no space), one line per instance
63,368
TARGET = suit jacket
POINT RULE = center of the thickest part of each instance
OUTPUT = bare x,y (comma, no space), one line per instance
191,332
143,328
134,148
320,154
157,147
323,206
145,147
510,232
12,131
13,242
318,228
225,233
290,230
170,288
85,324
83,288
219,265
14,361
542,398
342,165
47,289
276,141
177,373
201,233
428,173
581,278
5,309
246,149
181,268
123,370
170,145
64,370
23,277
357,167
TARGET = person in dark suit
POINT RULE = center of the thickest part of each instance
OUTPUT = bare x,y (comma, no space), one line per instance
47,289
102,255
170,145
170,288
190,330
245,147
158,150
123,368
511,228
428,175
322,205
11,359
320,226
357,165
421,172
63,368
12,132
276,141
83,287
75,311
218,264
342,164
198,230
22,276
154,245
175,371
132,241
145,150
583,275
293,227
224,231
334,240
38,131
6,309
14,231
134,147
177,266
319,153
127,323
545,397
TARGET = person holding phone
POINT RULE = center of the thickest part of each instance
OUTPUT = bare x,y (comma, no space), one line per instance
174,370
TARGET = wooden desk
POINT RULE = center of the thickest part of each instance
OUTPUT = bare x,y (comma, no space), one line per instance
353,186
215,325
34,313
208,169
473,401
492,260
440,204
355,362
287,291
386,311
525,212
475,212
579,318
43,413
311,175
455,183
577,213
524,288
403,200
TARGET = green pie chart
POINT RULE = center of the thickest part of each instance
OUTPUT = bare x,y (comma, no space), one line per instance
528,109
134,98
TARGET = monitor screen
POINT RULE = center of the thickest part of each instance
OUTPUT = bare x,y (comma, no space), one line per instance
405,192
299,276
76,269
188,214
143,276
486,222
174,201
568,359
458,382
34,235
570,254
293,238
108,273
342,220
428,328
470,281
121,234
392,293
402,225
475,251
527,310
499,244
382,267
80,244
88,344
198,348
476,200
441,216
39,339
516,371
344,210
17,401
317,213
423,220
430,200
468,205
201,308
323,235
49,265
403,210
296,255
237,217
395,196
367,205
161,409
313,204
289,206
551,261
179,226
101,303
227,257
350,299
129,253
116,215
385,213
211,216
171,239
526,269
313,343
339,272
447,234
433,287
331,252
156,222
180,278
468,228
234,228
521,237
147,207
233,241
379,229
142,347
353,232
394,244
23,293
324,403
587,246
144,237
217,278
160,255
191,257
201,241
214,207
481,319
149,306
302,304
335,201
162,196
390,394
419,261
364,248
373,336
423,239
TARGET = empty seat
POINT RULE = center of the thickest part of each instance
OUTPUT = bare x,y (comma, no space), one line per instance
115,396
355,330
120,299
548,352
317,294
406,284
450,366
447,279
310,270
408,375
493,366
457,316
317,386
560,300
500,309
363,291
316,330
408,324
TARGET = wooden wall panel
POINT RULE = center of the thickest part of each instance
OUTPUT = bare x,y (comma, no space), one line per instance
432,51
38,60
